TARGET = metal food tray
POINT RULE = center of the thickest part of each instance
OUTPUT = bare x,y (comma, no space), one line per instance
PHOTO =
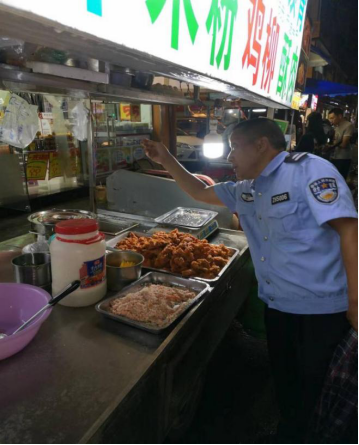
173,218
112,243
203,233
154,278
115,227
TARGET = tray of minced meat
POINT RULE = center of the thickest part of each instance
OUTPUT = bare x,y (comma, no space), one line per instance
153,302
178,253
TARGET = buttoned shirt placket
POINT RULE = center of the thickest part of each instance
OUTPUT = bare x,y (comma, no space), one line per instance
258,191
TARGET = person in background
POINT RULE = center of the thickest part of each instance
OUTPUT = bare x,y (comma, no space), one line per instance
299,125
229,126
314,137
226,135
341,152
301,224
328,130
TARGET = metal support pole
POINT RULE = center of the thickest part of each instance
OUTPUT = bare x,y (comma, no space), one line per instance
270,113
172,124
196,91
291,129
91,161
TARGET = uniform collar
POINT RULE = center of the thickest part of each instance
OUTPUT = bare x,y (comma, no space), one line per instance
274,164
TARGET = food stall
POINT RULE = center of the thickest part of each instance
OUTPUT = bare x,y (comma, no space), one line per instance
50,158
87,378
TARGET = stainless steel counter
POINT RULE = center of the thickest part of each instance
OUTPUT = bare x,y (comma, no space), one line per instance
88,379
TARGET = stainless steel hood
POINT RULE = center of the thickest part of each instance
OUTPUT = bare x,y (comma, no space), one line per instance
17,79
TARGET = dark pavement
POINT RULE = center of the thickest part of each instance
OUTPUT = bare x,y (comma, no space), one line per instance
238,403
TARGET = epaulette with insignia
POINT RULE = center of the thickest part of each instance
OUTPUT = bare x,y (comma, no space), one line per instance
295,157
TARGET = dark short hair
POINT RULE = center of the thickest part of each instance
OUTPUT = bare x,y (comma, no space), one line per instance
254,129
337,111
315,127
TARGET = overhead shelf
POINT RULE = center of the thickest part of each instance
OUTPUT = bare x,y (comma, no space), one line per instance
44,83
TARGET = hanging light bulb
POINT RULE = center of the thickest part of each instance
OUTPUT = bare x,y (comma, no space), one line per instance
213,142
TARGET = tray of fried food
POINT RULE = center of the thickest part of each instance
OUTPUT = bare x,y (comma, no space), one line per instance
178,253
153,302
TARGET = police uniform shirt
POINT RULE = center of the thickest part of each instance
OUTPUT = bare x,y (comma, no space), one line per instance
283,213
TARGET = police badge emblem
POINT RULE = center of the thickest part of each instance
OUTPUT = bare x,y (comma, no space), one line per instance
325,190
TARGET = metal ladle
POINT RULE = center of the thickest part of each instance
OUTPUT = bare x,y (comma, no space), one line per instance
68,290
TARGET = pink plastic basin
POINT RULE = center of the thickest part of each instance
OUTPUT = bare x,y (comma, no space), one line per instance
18,302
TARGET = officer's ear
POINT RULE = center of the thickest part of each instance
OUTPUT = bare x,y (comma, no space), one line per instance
263,144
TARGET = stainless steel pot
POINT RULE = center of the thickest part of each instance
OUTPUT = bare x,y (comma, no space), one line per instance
43,223
33,268
118,277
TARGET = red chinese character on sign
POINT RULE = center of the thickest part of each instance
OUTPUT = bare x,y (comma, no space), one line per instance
270,52
252,53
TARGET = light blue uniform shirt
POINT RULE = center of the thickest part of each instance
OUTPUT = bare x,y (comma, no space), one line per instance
284,212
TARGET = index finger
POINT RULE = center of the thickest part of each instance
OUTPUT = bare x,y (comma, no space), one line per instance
148,143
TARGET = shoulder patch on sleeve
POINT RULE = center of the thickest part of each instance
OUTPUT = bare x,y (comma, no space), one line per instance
325,190
295,157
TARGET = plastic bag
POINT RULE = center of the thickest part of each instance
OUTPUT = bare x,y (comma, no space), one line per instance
19,125
80,115
41,245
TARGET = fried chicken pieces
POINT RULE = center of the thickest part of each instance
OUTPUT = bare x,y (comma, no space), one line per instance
179,253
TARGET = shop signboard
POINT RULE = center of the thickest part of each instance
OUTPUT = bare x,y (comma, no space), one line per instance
36,166
304,56
307,36
303,103
296,100
253,44
314,102
302,71
283,125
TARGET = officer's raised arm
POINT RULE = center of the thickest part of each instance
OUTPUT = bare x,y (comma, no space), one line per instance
188,182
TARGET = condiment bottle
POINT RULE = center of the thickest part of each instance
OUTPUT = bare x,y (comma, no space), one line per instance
78,252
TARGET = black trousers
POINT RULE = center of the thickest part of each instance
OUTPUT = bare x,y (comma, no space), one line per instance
300,349
343,166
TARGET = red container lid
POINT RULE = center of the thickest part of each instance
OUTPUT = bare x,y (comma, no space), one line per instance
76,226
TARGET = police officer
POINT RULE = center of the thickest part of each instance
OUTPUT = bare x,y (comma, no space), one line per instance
298,215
